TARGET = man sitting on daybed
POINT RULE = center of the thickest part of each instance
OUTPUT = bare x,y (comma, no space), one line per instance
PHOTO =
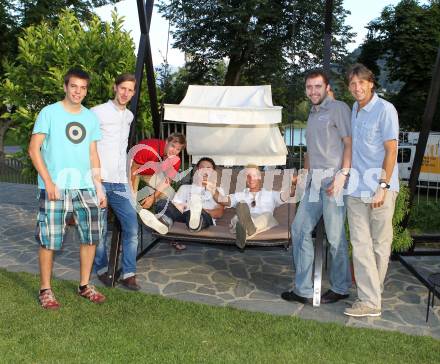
254,206
192,204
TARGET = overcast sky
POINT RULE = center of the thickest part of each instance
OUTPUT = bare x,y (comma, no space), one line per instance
362,12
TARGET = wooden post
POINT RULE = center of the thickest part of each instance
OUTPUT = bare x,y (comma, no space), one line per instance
428,116
144,58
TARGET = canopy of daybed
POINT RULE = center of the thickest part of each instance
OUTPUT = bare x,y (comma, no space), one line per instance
234,125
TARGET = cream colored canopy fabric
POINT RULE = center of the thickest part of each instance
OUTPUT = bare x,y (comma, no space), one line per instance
234,125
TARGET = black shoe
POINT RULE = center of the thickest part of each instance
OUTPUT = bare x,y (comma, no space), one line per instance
331,297
130,283
244,218
105,279
292,296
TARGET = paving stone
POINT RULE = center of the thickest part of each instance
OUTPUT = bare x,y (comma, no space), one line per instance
200,270
410,298
176,287
194,278
193,258
282,258
243,288
206,290
148,287
325,313
415,314
218,274
223,278
248,260
261,295
173,263
218,264
271,269
158,277
276,308
405,278
417,289
226,296
391,315
223,287
199,298
238,270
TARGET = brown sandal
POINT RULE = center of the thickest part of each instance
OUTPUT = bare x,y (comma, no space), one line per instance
178,246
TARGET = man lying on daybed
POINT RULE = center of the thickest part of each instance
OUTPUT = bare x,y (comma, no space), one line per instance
254,206
192,204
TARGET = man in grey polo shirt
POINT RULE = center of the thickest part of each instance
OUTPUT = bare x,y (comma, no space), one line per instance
327,165
115,120
373,189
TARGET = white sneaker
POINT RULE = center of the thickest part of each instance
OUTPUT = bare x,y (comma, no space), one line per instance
361,310
149,219
195,207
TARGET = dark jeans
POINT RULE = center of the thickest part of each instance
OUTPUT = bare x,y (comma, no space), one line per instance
171,211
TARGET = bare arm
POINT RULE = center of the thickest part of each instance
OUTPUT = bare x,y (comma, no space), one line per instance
226,200
339,179
148,201
34,151
389,160
284,195
346,156
134,168
306,161
388,164
96,174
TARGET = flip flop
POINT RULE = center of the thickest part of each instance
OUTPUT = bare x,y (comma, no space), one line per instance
178,246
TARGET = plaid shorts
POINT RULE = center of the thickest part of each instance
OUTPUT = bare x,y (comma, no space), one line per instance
52,216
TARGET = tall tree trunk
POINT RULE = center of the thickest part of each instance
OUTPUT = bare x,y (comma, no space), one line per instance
233,73
4,126
328,35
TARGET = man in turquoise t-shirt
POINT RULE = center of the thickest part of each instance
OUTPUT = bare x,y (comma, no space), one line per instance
63,151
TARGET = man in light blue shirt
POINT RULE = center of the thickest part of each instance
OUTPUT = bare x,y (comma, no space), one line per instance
64,153
372,189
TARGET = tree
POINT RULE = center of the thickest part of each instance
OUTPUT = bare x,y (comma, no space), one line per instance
18,14
407,37
263,40
35,11
45,54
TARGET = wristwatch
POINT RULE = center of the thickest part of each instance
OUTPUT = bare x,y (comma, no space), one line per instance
345,172
384,185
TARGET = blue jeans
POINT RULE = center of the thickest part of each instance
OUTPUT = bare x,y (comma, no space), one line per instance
306,219
118,200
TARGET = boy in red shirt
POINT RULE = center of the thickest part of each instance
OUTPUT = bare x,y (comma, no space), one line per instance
156,162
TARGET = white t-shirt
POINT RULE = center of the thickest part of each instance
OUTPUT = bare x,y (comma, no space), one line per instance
183,197
112,148
265,201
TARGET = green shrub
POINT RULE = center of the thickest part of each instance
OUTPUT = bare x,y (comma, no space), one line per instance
402,240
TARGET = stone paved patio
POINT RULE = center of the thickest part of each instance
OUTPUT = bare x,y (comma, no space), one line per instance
219,275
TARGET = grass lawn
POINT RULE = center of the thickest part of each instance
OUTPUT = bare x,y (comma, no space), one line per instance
136,327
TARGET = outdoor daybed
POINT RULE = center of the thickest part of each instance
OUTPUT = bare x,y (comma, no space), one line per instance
235,126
